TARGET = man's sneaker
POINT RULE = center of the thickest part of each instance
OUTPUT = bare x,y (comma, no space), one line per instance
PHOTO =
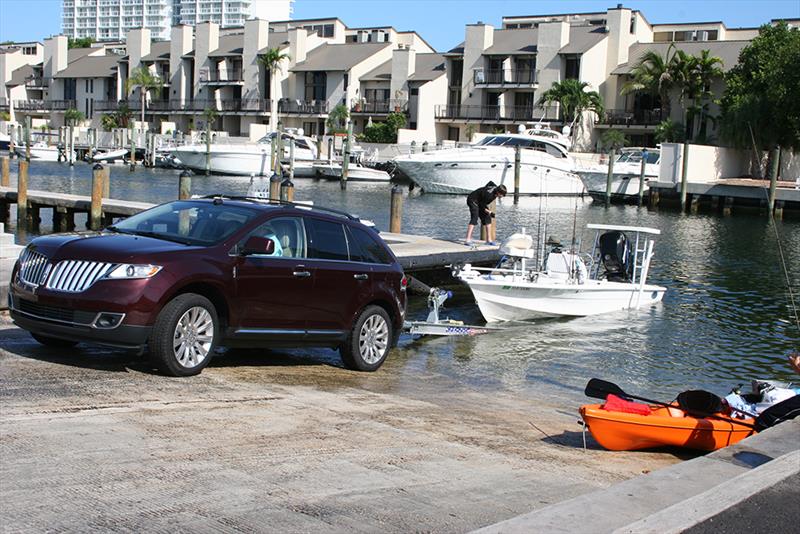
492,243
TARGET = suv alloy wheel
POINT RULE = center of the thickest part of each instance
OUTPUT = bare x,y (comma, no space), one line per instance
185,335
369,341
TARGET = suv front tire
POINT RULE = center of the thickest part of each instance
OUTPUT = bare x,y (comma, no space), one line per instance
369,341
185,335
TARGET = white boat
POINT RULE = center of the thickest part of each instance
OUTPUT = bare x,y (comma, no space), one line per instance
244,159
627,168
546,166
5,141
41,151
110,155
567,284
356,168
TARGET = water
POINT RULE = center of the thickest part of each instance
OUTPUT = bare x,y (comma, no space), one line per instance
725,318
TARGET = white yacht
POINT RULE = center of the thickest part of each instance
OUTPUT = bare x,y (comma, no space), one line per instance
625,180
567,284
244,159
546,166
357,168
41,151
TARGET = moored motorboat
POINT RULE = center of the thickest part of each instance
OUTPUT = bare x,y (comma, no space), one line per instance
567,284
626,172
663,426
110,155
41,151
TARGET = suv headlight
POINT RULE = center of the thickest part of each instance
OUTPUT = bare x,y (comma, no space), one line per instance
130,271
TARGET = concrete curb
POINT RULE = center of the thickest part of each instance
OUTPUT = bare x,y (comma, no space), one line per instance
688,492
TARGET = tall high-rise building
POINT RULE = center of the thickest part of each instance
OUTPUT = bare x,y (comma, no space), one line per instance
110,20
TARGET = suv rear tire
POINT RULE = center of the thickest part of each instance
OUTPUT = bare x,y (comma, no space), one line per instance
54,342
184,336
369,341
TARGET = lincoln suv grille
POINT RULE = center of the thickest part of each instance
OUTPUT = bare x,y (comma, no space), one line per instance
33,267
74,276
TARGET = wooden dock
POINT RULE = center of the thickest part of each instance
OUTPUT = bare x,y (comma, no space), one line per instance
415,253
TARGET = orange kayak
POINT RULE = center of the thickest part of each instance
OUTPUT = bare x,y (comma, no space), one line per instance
618,431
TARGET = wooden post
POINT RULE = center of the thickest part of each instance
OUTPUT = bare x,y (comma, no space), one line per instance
93,145
71,149
28,138
486,234
727,206
694,203
291,160
287,191
319,147
22,195
279,153
396,210
641,178
208,148
517,170
185,185
774,157
777,213
346,157
96,210
5,172
684,174
34,216
424,146
715,203
106,182
330,150
273,146
132,155
60,219
609,175
275,187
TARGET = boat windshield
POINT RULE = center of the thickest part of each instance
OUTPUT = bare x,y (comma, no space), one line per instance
635,156
522,142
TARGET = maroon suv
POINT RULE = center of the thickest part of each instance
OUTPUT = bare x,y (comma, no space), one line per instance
186,276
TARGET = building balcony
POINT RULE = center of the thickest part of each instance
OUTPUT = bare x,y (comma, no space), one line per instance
234,77
505,78
380,107
37,82
492,114
302,107
43,105
636,117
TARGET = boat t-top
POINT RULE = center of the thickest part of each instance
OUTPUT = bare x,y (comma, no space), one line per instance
613,276
626,171
245,159
546,166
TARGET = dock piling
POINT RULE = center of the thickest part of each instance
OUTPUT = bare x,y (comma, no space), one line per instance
641,178
291,160
132,155
774,157
684,174
517,168
96,210
727,206
185,185
275,186
610,175
5,172
28,138
694,203
106,182
330,150
287,190
346,157
424,146
22,195
71,147
396,210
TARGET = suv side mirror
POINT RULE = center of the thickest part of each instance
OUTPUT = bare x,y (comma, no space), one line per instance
257,245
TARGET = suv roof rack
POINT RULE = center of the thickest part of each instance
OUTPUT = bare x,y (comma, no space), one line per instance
262,200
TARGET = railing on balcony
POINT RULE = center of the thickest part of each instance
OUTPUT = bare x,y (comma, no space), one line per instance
504,77
37,82
380,107
636,117
224,76
43,105
493,113
302,107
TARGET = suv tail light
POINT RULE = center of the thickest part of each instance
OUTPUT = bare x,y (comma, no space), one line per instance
403,283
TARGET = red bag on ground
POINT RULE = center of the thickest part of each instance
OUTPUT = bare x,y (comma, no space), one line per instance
617,404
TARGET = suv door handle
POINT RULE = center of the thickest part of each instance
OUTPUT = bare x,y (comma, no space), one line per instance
301,274
361,276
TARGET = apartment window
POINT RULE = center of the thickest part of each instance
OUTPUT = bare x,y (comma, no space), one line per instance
572,68
454,97
70,88
457,71
29,50
310,128
86,86
323,30
91,86
346,80
316,83
413,91
452,134
632,28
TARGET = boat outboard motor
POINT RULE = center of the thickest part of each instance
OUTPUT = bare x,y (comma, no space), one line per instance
614,254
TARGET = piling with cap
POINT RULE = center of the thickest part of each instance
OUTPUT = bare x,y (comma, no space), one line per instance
275,186
28,138
5,172
208,147
22,195
517,170
774,157
106,182
132,156
684,174
96,210
330,149
396,210
184,185
610,175
287,191
291,159
641,177
346,157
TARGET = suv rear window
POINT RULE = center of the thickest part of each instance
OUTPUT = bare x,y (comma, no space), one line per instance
365,246
328,241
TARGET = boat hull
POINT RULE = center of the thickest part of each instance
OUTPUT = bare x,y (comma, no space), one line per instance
354,173
617,431
240,160
462,176
622,185
41,154
501,300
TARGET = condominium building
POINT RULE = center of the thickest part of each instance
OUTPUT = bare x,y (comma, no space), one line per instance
111,20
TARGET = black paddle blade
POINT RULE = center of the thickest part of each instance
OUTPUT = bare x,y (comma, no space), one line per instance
699,401
600,389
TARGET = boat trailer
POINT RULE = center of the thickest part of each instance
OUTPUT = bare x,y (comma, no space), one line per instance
433,325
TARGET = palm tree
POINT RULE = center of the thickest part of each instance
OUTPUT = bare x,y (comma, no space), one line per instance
707,69
669,131
73,116
272,60
653,75
613,139
573,99
146,80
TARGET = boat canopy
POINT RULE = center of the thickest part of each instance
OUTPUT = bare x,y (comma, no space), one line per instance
640,229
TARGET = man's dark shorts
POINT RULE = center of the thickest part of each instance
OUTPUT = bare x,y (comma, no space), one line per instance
475,214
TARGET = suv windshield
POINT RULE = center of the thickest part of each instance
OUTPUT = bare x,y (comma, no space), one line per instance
192,223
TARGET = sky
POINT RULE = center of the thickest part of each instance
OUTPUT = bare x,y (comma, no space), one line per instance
440,22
